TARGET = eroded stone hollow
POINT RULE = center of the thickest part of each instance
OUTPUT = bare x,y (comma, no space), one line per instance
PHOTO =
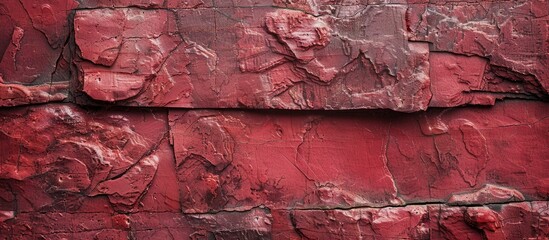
271,119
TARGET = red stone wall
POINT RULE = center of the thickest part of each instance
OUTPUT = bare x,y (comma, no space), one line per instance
272,119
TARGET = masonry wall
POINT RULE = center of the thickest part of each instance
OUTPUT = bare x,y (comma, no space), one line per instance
273,119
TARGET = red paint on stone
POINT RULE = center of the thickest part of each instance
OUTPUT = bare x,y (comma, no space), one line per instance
223,160
239,160
505,221
64,153
34,51
121,222
286,59
512,36
96,172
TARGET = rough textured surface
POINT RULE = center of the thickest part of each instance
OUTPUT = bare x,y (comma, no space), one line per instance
55,153
236,159
484,50
238,174
527,220
400,55
171,119
511,37
35,53
495,221
265,58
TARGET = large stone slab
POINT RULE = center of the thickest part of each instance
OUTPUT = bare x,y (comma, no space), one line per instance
239,160
59,157
494,221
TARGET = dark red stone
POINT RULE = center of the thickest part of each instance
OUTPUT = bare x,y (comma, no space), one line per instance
460,149
239,160
312,56
508,221
497,221
186,124
34,51
489,49
273,58
60,156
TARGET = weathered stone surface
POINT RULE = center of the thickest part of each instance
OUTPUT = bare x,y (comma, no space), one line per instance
252,224
286,55
268,58
370,223
13,94
526,220
461,150
496,221
139,56
486,195
240,160
272,165
34,51
159,225
507,221
59,157
62,225
213,164
489,49
464,80
153,4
